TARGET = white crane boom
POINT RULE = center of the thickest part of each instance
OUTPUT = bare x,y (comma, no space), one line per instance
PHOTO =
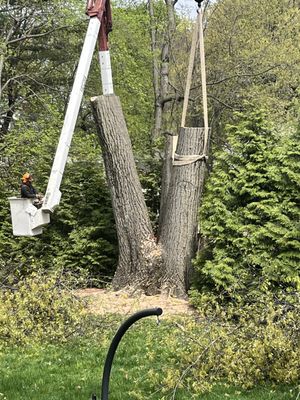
53,194
27,220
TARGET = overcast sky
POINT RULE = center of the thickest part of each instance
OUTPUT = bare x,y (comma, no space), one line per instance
187,8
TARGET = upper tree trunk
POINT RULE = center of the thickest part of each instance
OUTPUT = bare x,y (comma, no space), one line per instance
139,255
179,230
161,70
156,74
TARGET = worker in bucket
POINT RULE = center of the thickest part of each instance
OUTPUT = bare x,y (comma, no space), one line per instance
29,192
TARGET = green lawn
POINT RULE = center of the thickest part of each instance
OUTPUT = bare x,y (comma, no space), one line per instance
74,370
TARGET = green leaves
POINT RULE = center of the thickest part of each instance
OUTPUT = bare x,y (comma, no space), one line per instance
252,54
81,237
132,70
250,212
39,309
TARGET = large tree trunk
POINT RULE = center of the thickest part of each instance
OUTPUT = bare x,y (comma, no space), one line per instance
139,255
179,230
143,263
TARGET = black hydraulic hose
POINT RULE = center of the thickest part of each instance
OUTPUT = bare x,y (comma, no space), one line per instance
116,340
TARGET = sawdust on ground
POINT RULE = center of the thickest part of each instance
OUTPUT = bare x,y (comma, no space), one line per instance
105,301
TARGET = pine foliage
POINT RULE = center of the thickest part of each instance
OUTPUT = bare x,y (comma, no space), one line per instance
250,211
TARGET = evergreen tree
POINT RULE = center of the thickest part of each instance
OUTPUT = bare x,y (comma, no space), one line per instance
81,238
250,211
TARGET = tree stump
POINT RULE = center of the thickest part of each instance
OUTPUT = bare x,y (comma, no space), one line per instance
179,231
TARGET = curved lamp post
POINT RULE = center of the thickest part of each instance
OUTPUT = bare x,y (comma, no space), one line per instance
115,342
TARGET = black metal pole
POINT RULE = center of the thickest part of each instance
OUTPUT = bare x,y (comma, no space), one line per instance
116,340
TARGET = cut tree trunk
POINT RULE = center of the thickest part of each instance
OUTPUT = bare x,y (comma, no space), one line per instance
178,236
139,255
144,263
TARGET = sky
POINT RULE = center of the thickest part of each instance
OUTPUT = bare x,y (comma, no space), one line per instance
187,8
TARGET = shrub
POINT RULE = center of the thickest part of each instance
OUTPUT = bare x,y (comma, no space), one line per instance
39,308
237,343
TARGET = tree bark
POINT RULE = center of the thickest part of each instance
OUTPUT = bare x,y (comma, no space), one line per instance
144,263
166,173
161,71
156,74
179,230
139,255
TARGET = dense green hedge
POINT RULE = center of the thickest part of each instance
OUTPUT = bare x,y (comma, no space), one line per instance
250,214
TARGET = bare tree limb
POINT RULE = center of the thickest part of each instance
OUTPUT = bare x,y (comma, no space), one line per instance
34,36
242,76
221,102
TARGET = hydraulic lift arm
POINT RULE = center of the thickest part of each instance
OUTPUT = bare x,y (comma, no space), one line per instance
26,219
99,26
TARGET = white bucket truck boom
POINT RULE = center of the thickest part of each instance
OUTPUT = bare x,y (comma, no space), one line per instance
27,220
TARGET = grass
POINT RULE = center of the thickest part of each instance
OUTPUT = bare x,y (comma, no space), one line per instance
73,370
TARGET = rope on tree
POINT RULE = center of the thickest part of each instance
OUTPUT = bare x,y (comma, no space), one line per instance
197,37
